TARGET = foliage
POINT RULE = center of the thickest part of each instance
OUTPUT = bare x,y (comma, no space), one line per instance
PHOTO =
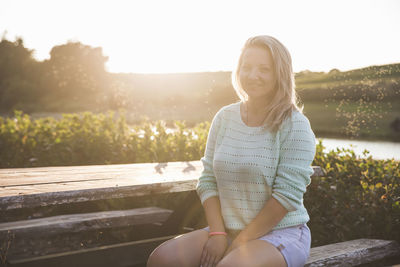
87,138
74,76
358,197
75,70
17,72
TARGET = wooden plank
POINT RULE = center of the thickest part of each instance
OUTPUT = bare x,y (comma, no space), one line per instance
318,171
86,221
77,196
63,185
118,255
352,253
131,173
78,231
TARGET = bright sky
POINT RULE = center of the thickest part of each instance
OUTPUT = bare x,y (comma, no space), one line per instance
206,35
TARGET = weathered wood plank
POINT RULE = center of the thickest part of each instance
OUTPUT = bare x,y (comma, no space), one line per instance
77,231
352,253
86,221
127,173
318,171
133,253
63,185
77,196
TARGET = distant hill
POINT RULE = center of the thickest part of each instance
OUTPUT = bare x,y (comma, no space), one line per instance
216,87
307,78
373,83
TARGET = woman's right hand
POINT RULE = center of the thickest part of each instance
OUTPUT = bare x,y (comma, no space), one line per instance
213,250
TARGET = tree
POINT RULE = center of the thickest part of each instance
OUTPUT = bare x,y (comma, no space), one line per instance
18,83
76,72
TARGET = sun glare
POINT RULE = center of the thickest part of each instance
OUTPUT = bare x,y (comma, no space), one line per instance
192,36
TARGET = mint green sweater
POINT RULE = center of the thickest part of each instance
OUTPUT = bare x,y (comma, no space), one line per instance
245,166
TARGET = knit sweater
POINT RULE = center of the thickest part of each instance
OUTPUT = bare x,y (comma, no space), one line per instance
245,166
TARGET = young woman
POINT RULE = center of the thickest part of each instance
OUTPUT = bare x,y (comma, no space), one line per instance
257,166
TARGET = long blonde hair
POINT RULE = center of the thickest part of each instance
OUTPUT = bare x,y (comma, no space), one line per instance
285,99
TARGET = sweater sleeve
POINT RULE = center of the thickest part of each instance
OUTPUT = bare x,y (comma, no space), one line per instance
297,151
207,184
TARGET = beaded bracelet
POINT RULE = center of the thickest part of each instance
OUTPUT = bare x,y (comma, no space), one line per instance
217,233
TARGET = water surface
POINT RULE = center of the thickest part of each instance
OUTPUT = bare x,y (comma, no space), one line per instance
377,149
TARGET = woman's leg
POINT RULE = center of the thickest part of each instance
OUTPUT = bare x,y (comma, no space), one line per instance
184,250
253,254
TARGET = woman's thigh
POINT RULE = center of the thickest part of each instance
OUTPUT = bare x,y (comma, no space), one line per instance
284,247
255,253
294,243
184,250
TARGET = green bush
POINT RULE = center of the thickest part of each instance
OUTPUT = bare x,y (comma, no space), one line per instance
358,197
87,138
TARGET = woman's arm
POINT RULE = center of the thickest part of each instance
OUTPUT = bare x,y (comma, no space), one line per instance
207,184
269,216
216,245
207,190
212,208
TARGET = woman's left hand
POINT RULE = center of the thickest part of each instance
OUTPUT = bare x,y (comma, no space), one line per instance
237,242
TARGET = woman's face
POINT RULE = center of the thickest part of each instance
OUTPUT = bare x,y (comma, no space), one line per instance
256,73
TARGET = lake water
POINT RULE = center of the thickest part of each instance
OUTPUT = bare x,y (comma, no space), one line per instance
377,149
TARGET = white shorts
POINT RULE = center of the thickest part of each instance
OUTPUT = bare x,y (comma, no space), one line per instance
293,242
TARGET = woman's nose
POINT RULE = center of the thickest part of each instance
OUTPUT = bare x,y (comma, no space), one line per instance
253,73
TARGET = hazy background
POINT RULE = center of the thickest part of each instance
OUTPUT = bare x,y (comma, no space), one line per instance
171,60
195,36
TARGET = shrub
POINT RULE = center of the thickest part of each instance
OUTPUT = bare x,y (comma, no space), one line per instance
358,198
87,138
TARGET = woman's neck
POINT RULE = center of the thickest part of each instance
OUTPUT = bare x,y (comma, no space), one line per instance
256,106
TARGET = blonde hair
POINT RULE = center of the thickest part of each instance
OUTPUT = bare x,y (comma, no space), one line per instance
284,99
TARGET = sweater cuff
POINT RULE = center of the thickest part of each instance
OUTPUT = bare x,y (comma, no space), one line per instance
283,201
207,194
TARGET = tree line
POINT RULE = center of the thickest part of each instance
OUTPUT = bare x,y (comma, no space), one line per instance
75,73
74,79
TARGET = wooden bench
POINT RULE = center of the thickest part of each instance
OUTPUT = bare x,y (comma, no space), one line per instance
354,253
88,215
55,211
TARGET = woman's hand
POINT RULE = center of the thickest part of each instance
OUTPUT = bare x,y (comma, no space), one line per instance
237,242
213,250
